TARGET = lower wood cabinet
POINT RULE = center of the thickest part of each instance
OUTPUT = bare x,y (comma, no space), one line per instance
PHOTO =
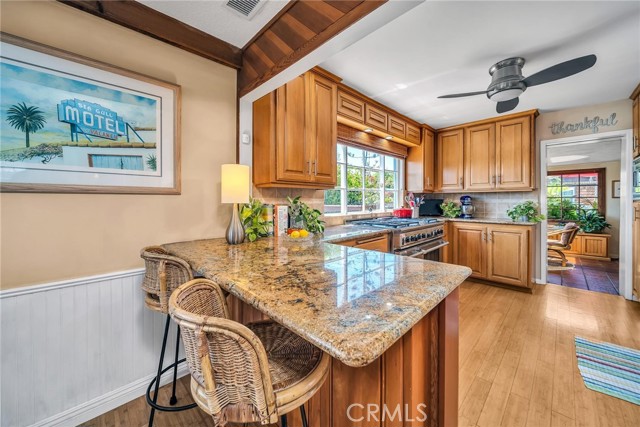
378,243
494,252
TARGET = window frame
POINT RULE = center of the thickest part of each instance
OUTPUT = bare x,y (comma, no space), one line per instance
601,193
342,185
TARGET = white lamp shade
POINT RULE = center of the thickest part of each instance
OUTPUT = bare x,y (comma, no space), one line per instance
235,184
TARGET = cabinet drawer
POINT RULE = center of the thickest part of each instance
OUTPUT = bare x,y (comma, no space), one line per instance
377,243
375,118
350,107
397,127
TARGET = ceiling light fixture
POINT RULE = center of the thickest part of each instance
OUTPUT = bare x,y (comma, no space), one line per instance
368,130
389,137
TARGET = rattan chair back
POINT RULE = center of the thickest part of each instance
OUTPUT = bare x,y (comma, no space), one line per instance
163,274
224,357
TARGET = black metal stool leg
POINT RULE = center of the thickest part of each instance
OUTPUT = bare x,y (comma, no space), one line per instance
303,415
283,421
174,399
157,385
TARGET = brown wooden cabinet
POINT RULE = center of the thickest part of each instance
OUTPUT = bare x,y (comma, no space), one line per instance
495,154
397,127
635,242
378,243
480,157
351,107
496,253
413,134
419,164
450,164
375,117
636,123
295,134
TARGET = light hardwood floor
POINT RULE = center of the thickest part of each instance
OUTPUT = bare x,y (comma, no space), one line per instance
517,361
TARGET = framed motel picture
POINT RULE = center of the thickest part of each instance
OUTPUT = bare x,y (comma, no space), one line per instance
71,124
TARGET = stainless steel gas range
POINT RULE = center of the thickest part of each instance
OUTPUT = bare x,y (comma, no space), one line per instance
415,237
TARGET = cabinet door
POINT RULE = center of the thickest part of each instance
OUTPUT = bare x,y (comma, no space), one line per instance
413,134
513,153
480,157
428,146
508,255
450,164
291,144
375,117
379,243
397,127
595,246
322,129
469,248
636,127
350,107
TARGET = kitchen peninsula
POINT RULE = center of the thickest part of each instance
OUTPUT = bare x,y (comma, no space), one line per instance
390,323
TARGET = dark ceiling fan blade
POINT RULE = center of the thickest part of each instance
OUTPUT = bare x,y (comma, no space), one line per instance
560,71
460,95
504,106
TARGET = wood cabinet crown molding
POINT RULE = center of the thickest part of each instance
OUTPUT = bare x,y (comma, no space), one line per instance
534,113
635,93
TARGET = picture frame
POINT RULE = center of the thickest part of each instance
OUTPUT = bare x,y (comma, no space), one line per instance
70,124
615,189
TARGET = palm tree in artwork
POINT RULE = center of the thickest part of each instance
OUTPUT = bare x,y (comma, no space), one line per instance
26,119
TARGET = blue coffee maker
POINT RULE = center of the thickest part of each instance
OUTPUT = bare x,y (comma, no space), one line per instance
467,207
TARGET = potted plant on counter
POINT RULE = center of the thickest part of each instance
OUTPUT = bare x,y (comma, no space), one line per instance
303,216
528,211
450,209
592,222
254,221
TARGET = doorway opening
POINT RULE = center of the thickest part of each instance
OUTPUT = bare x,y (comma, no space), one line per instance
584,242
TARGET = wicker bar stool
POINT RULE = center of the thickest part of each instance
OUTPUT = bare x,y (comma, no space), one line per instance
243,374
163,274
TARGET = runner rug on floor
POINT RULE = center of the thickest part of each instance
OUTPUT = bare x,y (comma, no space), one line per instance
610,369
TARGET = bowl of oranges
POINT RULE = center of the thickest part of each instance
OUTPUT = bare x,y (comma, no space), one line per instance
298,234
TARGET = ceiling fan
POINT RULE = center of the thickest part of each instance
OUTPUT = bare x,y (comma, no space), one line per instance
508,83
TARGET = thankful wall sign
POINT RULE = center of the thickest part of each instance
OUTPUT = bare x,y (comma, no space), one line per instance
595,124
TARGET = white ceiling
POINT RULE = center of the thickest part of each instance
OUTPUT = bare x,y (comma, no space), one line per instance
212,17
591,152
439,48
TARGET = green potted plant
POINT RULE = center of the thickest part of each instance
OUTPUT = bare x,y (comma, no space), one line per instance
254,222
528,211
450,209
303,216
592,222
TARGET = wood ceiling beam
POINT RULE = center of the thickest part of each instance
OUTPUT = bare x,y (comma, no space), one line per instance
143,19
299,29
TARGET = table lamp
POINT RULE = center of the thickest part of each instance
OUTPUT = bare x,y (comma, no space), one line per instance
235,189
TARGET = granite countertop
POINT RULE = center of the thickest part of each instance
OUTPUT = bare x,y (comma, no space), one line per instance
352,303
504,221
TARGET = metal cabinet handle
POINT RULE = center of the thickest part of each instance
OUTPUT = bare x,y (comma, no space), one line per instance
428,182
491,236
460,181
484,236
315,168
309,166
499,179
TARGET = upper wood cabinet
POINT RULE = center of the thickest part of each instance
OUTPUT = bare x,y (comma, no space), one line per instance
450,164
497,253
636,124
357,111
496,154
295,136
420,164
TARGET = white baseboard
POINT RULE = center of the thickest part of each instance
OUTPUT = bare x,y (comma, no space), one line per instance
105,403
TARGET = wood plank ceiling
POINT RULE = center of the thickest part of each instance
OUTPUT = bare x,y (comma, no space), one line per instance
301,27
297,30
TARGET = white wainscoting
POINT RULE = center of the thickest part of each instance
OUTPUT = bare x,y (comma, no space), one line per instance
72,350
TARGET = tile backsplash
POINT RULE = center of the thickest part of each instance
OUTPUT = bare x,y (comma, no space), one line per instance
489,205
278,196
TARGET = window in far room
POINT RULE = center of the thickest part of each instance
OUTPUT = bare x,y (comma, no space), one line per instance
568,192
367,182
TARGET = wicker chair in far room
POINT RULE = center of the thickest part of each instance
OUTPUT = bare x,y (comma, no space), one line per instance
163,274
557,260
254,373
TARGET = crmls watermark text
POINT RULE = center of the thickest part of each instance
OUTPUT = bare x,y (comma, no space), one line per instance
374,413
593,124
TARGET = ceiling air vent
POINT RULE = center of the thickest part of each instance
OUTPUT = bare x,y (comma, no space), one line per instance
245,8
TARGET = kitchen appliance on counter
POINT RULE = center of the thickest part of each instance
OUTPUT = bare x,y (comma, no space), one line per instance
414,237
635,172
467,207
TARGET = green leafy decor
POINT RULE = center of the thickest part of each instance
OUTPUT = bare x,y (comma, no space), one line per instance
529,210
592,222
254,222
301,213
152,162
450,209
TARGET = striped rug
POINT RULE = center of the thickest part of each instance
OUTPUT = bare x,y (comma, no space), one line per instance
610,369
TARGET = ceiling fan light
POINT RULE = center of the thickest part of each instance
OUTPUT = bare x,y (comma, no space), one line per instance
506,95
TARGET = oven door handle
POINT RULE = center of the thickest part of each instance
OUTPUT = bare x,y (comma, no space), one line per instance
435,248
